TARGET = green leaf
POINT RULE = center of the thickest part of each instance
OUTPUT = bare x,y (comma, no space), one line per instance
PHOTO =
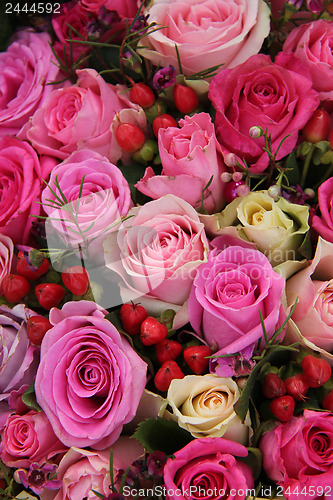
163,435
29,398
292,173
254,460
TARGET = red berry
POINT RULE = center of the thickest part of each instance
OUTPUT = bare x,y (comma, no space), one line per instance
167,350
49,294
132,316
185,99
23,269
297,386
168,371
230,190
318,127
15,287
273,386
76,279
37,326
130,138
283,407
328,401
152,331
316,371
143,95
196,358
163,121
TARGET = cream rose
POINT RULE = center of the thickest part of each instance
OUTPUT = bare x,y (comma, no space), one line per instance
204,406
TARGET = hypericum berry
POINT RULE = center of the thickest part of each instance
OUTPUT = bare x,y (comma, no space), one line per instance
283,407
318,127
37,326
196,358
185,99
167,350
142,95
230,190
152,331
129,137
328,401
316,371
132,315
15,287
297,386
163,121
76,279
168,371
273,386
23,269
49,295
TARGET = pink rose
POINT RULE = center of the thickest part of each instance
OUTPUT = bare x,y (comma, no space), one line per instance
82,471
22,173
28,438
18,358
261,93
105,198
311,43
208,468
229,291
26,68
323,224
299,455
157,252
6,257
190,157
313,286
90,380
227,32
81,117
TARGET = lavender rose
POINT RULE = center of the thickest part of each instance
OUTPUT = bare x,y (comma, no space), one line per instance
208,468
235,279
90,380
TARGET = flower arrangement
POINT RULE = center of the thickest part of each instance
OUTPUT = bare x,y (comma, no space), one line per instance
166,249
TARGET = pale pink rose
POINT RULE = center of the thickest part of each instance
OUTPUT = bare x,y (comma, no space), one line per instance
26,68
81,471
22,174
29,438
190,157
311,43
81,117
313,286
227,32
298,455
90,380
264,94
6,257
157,252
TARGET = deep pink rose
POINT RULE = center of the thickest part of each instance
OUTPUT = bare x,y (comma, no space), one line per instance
26,68
6,257
125,8
190,157
261,93
81,117
323,223
105,198
157,252
81,471
227,32
18,358
22,174
29,438
311,43
313,286
90,380
208,468
299,455
229,291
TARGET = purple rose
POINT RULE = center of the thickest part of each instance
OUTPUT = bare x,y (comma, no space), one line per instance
229,291
208,468
90,380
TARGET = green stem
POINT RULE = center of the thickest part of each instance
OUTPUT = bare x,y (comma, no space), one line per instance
306,166
328,173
